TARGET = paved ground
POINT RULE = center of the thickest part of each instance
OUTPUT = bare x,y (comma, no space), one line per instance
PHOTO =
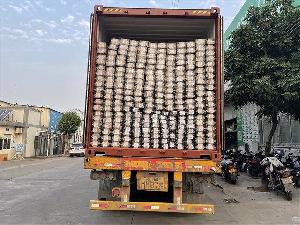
58,190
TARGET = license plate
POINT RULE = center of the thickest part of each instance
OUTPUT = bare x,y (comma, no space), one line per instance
152,181
287,180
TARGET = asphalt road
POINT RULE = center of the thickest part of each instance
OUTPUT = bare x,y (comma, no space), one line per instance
58,190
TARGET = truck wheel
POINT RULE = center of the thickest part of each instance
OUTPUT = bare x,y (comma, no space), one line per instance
288,195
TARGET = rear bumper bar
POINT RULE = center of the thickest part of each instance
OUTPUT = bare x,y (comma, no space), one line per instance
152,207
211,154
151,164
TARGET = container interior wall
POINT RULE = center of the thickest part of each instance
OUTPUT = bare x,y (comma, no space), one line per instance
155,29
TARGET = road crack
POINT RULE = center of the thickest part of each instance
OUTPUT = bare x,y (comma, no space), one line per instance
132,219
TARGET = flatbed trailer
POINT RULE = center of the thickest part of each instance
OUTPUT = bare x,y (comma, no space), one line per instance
175,166
124,171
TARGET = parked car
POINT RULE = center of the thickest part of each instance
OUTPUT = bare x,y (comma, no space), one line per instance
76,150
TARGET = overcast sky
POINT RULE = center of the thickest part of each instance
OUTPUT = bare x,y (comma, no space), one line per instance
44,45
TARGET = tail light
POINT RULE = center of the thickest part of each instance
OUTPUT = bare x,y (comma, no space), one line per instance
231,167
285,173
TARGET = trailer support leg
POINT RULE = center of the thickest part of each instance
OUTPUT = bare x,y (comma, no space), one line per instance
177,196
125,190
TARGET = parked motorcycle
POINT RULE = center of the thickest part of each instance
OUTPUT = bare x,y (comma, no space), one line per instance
278,153
229,171
293,163
243,161
279,178
296,176
254,167
289,161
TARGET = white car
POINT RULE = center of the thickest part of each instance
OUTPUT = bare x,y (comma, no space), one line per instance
76,150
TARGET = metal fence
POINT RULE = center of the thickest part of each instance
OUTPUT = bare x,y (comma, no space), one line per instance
287,132
47,143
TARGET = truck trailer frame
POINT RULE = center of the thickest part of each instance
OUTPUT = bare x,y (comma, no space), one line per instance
175,165
104,161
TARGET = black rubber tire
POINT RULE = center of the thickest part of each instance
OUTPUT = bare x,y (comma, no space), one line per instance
289,195
234,180
71,155
249,171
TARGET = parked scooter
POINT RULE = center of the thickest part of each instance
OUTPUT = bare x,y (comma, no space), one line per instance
293,163
296,175
279,177
278,153
229,170
242,161
289,161
254,167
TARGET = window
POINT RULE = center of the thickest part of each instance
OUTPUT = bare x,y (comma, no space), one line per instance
4,143
6,129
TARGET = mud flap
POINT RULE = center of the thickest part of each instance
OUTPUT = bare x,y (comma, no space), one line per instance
193,182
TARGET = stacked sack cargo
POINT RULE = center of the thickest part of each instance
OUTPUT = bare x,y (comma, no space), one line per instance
155,95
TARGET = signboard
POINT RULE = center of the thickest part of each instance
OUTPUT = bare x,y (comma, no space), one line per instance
19,149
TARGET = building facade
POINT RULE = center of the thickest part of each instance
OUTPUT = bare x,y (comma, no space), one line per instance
19,125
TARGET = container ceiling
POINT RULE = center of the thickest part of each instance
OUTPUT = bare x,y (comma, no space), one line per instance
156,29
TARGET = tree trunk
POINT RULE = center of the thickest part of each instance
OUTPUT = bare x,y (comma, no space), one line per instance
67,143
271,134
264,178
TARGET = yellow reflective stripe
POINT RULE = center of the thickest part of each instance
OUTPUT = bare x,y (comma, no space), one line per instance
112,10
200,12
